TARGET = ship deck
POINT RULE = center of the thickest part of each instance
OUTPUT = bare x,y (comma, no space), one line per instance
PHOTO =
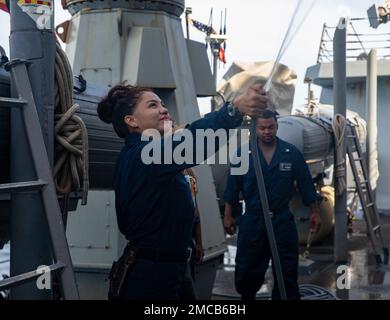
367,280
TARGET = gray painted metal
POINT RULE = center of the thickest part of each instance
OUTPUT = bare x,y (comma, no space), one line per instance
175,7
372,107
116,56
4,128
28,276
4,159
215,74
30,238
21,186
322,74
200,66
92,230
12,102
52,210
340,107
373,18
148,71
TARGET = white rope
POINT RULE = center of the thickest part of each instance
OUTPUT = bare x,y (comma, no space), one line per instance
338,126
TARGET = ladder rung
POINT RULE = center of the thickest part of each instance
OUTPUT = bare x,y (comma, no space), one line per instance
363,186
22,186
12,102
28,276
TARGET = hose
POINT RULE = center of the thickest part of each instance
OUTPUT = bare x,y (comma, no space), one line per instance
71,137
292,31
338,126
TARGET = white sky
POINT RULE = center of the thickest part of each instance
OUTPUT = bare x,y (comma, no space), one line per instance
255,30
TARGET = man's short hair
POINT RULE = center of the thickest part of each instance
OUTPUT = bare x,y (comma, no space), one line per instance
268,114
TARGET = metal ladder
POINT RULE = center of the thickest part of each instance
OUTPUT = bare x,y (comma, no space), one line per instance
44,184
366,196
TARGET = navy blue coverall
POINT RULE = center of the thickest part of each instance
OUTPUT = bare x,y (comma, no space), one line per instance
253,251
155,209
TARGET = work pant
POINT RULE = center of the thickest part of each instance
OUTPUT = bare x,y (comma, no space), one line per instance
154,280
253,255
187,291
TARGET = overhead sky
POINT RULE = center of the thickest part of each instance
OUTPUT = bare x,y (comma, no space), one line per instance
256,28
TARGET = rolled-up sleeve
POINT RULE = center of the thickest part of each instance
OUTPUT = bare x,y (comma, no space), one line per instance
304,180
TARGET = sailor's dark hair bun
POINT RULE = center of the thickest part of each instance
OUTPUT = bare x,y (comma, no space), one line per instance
105,108
120,101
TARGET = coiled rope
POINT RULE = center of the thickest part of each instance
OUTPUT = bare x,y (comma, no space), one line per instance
306,291
313,292
71,137
338,126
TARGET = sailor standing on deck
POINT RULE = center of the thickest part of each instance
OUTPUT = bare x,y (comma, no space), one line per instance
154,206
282,164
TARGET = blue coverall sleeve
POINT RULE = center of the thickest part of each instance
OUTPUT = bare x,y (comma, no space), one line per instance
304,180
232,190
215,120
